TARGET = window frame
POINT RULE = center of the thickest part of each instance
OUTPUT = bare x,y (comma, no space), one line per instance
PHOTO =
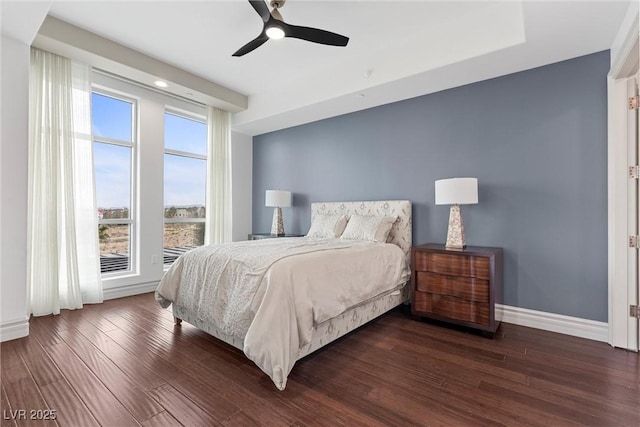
197,118
133,190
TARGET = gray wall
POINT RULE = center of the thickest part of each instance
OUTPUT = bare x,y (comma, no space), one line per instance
536,141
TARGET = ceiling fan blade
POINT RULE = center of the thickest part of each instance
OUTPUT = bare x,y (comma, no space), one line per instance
315,35
253,44
261,7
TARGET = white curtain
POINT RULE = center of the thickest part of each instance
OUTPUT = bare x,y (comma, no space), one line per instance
63,258
218,201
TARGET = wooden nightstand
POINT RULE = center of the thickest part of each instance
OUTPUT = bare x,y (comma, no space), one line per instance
457,286
260,236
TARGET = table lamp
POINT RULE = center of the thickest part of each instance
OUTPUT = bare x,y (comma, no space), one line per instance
456,192
277,199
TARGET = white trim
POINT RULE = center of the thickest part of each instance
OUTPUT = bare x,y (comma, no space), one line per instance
632,219
625,57
624,60
568,325
129,290
185,154
618,210
14,329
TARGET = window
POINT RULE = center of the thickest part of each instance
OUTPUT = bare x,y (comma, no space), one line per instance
185,179
114,144
136,132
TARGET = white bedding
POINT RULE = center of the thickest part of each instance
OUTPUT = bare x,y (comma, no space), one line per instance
272,292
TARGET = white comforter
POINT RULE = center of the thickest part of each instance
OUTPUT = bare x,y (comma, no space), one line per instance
271,292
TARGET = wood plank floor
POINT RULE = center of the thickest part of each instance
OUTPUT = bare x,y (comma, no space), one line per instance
124,363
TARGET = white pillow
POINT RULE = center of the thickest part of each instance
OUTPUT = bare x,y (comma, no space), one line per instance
371,228
328,226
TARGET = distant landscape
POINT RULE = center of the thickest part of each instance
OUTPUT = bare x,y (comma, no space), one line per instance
114,239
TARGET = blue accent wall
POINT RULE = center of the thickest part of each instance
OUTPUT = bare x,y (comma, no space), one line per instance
536,141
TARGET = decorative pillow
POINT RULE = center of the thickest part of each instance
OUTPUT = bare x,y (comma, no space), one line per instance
328,226
384,228
371,228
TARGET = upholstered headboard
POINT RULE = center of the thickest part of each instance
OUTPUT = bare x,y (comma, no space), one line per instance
400,232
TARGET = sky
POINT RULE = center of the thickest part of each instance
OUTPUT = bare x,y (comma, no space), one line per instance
184,178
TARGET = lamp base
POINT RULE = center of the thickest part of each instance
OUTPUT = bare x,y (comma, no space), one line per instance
277,226
455,233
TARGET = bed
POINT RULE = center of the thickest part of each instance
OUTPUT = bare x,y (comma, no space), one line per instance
279,300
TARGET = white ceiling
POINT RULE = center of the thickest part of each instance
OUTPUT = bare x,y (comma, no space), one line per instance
397,49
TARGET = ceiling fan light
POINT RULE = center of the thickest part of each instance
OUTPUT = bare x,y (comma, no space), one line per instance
275,33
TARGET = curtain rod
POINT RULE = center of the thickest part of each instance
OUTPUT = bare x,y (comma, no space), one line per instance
145,86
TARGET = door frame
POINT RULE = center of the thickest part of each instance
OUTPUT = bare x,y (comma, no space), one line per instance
622,209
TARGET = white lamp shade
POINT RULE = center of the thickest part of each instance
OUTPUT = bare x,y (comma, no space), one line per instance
460,191
277,199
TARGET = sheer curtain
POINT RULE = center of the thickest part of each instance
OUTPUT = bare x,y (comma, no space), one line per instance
63,258
218,201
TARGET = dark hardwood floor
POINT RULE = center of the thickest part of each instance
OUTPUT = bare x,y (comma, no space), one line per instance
124,363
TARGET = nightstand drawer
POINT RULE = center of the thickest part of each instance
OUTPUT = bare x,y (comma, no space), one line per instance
453,265
452,308
461,287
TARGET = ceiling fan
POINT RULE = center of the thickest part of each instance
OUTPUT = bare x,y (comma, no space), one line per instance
275,28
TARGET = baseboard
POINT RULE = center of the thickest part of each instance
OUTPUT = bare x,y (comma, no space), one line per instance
575,326
14,330
130,290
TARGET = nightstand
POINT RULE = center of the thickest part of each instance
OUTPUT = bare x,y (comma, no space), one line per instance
457,286
260,236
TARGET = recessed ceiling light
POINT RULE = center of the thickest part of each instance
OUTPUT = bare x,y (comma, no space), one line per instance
160,83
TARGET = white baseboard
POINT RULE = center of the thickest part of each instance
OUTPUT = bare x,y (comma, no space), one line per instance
575,326
14,329
130,290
